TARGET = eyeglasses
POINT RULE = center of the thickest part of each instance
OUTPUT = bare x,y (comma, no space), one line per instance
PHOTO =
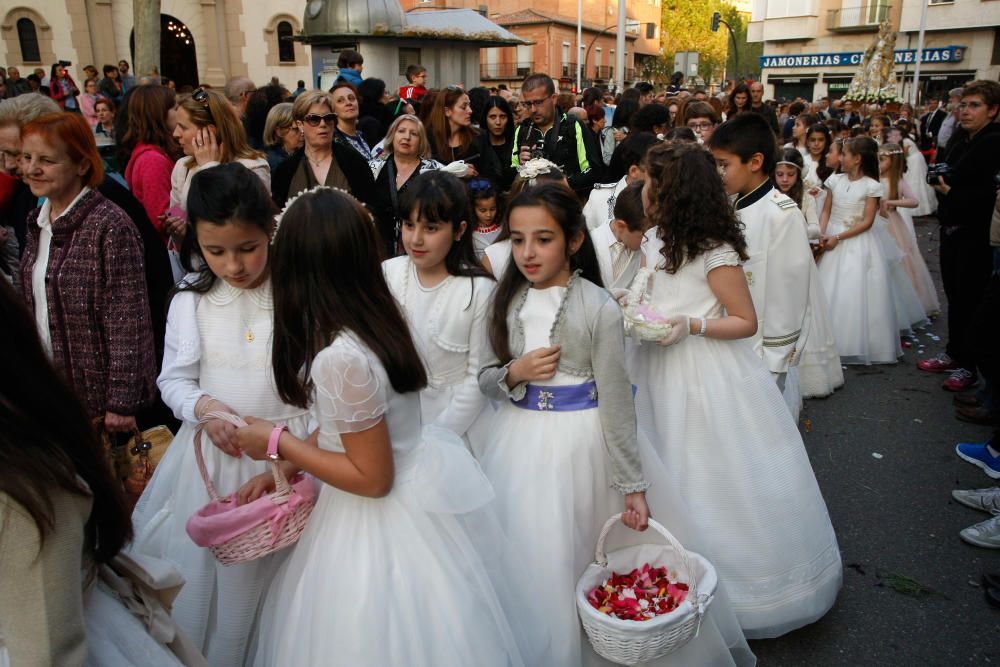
534,104
970,105
314,119
700,127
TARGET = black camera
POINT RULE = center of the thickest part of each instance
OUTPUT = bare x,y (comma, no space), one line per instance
64,63
937,170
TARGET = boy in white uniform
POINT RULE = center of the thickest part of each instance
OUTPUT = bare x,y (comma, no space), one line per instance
600,206
778,269
618,243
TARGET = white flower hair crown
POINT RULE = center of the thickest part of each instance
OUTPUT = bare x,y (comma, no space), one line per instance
534,168
291,200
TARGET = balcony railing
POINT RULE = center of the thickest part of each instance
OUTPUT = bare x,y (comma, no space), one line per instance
857,19
604,72
489,71
630,74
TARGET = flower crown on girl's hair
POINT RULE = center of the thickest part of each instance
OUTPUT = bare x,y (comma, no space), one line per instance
890,150
291,200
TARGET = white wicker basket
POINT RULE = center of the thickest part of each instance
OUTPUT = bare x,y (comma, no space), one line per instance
640,320
631,642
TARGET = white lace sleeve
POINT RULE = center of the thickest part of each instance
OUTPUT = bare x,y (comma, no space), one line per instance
724,255
350,385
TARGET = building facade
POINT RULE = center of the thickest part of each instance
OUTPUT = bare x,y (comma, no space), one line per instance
812,47
203,41
550,25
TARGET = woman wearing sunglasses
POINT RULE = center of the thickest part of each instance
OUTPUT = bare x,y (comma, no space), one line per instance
321,160
210,133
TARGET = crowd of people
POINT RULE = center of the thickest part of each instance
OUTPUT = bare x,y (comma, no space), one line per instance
431,303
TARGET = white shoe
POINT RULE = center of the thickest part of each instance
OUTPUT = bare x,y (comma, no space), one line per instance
984,534
987,500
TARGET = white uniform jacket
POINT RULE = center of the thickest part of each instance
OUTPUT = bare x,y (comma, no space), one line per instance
600,207
603,238
777,273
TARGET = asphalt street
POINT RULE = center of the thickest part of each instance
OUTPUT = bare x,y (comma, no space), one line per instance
883,451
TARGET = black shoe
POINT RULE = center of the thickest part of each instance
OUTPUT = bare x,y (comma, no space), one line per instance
980,415
991,580
966,400
993,597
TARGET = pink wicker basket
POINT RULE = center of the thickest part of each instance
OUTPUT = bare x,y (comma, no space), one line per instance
238,533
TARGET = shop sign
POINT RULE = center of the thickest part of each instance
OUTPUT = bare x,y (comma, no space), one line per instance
947,54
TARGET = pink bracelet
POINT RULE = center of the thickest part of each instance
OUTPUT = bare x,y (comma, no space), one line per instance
272,442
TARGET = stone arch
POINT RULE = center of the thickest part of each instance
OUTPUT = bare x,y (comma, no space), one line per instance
272,58
8,30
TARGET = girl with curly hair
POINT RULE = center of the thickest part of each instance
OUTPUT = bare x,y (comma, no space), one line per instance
715,415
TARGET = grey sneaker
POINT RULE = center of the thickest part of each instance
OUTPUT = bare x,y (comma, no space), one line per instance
984,534
987,500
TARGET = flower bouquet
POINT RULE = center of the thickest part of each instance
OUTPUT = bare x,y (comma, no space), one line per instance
641,320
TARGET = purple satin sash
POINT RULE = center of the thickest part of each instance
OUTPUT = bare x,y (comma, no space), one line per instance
559,398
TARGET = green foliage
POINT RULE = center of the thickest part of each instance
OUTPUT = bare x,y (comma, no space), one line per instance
687,27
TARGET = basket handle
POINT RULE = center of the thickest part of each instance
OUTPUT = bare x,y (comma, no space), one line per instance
281,487
601,557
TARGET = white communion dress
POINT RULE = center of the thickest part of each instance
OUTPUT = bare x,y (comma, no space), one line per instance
552,475
735,457
405,579
217,344
855,276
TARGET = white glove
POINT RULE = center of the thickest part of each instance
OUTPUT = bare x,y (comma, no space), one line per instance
680,328
457,168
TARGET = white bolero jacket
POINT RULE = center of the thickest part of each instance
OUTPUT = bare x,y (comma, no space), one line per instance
453,342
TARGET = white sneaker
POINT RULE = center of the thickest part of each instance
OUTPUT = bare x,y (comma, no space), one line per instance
987,500
984,534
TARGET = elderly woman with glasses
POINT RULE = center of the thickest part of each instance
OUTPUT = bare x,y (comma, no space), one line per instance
321,160
406,154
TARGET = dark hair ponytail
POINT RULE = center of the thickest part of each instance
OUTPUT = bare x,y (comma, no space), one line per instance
564,206
219,195
439,196
327,280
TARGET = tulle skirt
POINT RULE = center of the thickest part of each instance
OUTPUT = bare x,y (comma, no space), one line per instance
901,228
909,310
551,475
419,577
735,457
217,608
916,177
855,278
115,636
819,370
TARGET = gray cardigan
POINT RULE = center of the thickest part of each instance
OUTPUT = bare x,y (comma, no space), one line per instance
589,330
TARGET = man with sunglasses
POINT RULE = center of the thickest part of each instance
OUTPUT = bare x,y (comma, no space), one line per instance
555,136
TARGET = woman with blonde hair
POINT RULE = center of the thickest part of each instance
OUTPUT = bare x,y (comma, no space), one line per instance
210,133
281,136
406,154
321,160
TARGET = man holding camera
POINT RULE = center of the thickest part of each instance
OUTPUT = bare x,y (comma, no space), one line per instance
964,178
555,136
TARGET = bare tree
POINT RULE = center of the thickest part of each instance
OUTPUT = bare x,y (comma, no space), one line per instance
146,16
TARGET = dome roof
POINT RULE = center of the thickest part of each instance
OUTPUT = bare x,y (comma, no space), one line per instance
352,17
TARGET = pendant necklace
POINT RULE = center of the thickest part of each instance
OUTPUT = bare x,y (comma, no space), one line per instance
247,324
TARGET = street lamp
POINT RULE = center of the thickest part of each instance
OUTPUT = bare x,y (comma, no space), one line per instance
593,41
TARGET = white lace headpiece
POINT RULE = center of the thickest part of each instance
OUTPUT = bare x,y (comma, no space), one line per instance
291,200
534,168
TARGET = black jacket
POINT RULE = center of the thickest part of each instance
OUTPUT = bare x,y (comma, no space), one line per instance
355,168
975,163
569,145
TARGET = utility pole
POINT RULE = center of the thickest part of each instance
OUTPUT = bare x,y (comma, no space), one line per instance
620,49
914,92
579,45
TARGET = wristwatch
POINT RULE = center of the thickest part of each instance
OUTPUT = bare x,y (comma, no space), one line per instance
272,442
